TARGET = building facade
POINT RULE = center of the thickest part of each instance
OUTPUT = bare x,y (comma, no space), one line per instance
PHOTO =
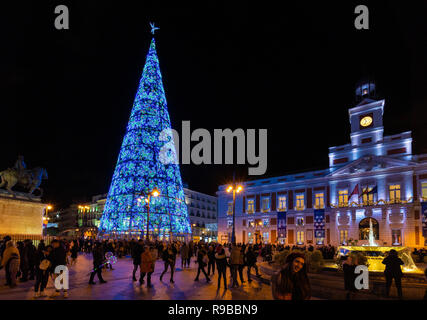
83,219
89,216
65,220
202,210
373,182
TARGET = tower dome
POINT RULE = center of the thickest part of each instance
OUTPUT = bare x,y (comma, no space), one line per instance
365,89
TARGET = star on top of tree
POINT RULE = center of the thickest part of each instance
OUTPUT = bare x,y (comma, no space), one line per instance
153,28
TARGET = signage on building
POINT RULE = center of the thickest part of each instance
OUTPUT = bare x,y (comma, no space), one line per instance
281,224
424,218
319,223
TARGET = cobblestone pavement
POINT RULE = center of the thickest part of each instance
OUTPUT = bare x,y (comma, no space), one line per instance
120,285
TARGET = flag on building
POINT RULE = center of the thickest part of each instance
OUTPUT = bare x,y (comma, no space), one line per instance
319,223
374,190
355,191
281,224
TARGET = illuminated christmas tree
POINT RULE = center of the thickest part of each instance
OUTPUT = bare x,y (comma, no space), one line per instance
141,167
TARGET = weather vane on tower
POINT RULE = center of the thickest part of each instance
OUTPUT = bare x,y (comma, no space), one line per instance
153,28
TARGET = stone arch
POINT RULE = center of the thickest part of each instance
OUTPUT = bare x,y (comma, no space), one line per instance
364,226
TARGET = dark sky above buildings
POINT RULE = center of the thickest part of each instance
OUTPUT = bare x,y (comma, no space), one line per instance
67,95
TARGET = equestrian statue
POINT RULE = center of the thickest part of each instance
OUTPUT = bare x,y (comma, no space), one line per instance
21,176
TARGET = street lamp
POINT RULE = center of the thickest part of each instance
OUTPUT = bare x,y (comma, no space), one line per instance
49,207
235,188
154,193
46,218
170,216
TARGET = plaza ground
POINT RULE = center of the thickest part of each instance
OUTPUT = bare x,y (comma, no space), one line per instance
120,285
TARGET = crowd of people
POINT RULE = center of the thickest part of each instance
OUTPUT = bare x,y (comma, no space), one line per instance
419,254
328,251
25,262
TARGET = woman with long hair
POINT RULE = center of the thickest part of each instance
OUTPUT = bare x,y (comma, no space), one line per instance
291,282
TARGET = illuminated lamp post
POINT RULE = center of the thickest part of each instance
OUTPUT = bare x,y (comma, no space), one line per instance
170,217
46,219
235,189
154,193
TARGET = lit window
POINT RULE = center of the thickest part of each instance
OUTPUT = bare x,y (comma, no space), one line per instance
319,203
368,199
282,203
250,206
343,236
230,208
266,222
343,198
300,221
300,201
300,237
394,193
265,204
265,236
396,236
251,223
424,190
229,223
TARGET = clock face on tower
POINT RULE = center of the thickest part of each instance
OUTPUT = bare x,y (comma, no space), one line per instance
366,121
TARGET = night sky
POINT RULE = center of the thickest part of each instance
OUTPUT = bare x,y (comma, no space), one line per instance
67,94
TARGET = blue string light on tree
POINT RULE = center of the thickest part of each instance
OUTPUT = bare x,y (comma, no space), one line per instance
139,169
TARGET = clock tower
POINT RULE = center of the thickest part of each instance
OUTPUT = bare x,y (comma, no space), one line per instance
366,118
367,132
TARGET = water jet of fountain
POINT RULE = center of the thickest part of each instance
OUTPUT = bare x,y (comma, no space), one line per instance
372,242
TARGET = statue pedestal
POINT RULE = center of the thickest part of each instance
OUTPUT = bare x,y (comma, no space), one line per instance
21,216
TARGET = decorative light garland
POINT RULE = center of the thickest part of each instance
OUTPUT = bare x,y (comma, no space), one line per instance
373,203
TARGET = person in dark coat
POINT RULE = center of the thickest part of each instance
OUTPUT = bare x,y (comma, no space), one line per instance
184,251
348,267
221,266
136,256
211,260
28,258
202,261
74,252
250,260
58,257
393,270
3,245
169,257
41,247
98,263
190,252
42,271
23,262
32,257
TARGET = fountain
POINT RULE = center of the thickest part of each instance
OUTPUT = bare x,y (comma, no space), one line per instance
372,242
375,254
